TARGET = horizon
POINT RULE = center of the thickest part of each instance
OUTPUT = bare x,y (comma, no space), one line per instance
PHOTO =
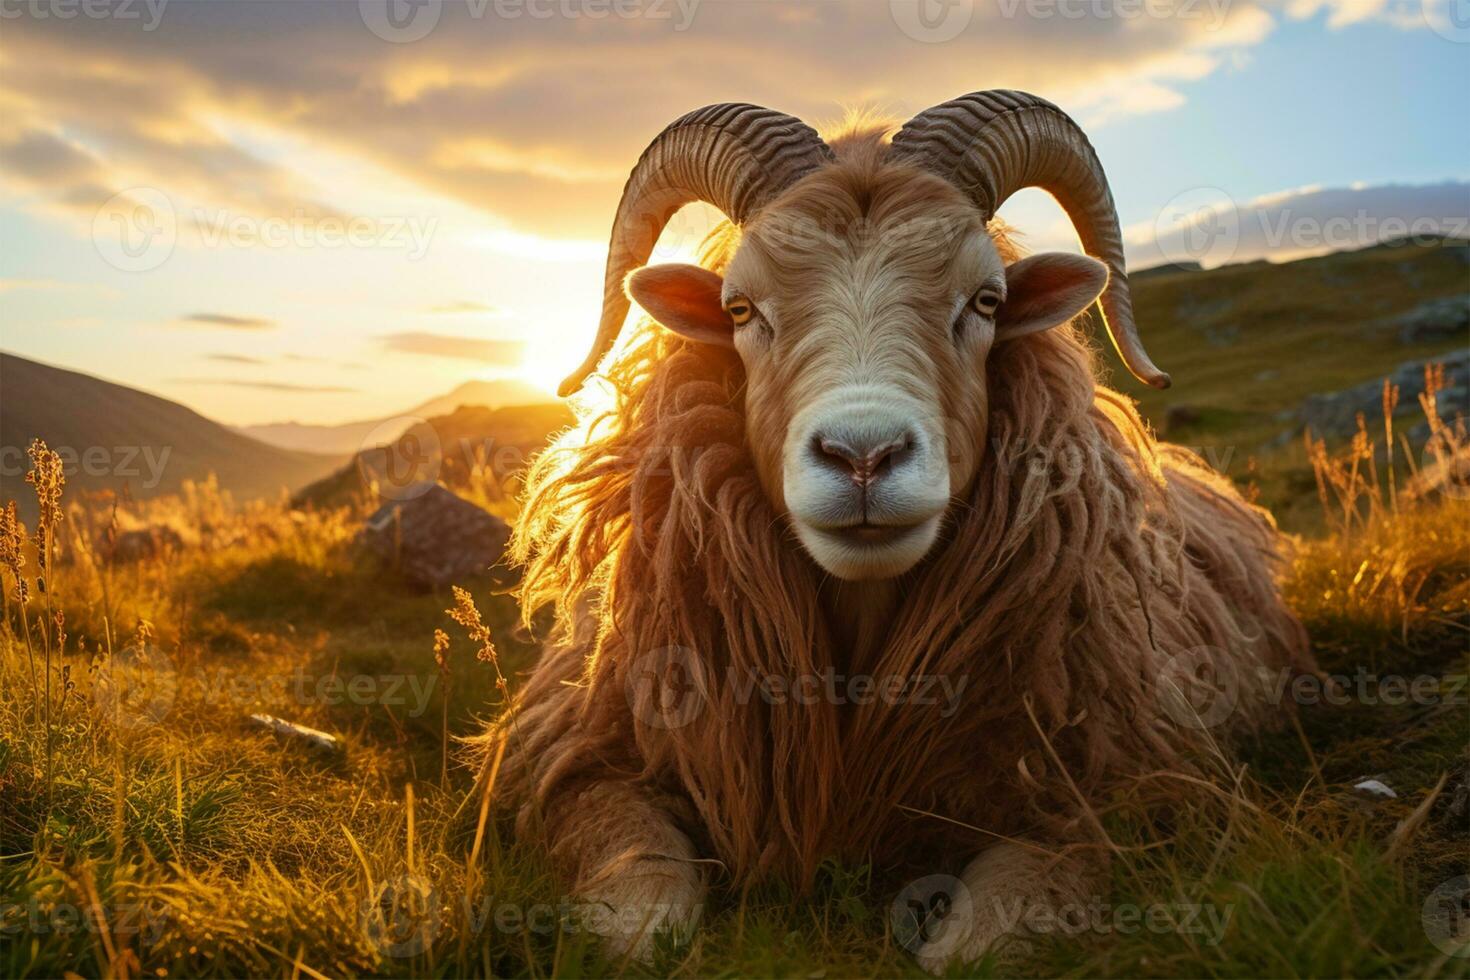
549,393
393,205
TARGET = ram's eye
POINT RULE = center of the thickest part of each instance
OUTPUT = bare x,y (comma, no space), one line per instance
740,310
987,301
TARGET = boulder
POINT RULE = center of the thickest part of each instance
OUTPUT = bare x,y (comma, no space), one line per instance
143,544
435,537
1445,475
1438,319
1334,415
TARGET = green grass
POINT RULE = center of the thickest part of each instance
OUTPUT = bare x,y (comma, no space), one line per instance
1245,342
207,846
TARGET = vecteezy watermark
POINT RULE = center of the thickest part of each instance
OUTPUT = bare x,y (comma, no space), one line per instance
139,687
830,687
125,462
937,916
404,457
937,21
933,915
137,230
1195,694
145,920
406,21
1450,19
412,692
1206,225
304,230
668,688
1202,688
932,21
1213,12
1446,917
147,13
402,917
136,687
401,457
405,915
671,686
1200,225
1205,921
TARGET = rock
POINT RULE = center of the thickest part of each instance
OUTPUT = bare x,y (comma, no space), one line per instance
1449,476
1376,787
435,537
144,544
1334,415
311,737
1438,319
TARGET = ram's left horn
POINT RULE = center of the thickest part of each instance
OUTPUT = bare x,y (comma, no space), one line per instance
733,156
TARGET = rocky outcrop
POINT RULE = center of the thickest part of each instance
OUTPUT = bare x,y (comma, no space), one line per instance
435,537
1335,414
1436,320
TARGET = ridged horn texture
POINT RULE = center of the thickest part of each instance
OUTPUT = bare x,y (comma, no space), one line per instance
733,156
993,144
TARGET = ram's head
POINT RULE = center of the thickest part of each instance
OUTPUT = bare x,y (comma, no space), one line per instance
864,297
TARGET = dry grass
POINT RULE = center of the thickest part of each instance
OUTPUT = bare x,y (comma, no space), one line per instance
147,826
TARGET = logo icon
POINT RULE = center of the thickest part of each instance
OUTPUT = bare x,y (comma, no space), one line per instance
402,918
1446,917
136,230
400,21
932,21
1195,694
933,914
401,457
1200,225
667,688
136,687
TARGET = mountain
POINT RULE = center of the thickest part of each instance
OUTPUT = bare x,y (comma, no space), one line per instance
112,437
349,437
475,451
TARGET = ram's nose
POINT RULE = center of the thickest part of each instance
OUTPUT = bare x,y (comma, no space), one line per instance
864,457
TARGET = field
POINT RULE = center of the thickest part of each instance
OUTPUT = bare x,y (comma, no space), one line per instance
149,827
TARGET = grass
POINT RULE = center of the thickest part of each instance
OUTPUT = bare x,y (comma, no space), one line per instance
149,827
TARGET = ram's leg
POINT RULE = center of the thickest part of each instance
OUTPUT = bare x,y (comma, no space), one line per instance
1007,891
634,872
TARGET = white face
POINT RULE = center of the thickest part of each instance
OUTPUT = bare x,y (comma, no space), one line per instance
870,373
865,400
865,474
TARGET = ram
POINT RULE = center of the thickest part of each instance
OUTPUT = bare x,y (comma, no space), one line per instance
866,439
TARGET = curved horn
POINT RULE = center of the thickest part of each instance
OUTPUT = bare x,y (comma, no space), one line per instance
992,144
733,156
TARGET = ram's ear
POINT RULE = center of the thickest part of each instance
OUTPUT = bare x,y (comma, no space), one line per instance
1047,290
684,299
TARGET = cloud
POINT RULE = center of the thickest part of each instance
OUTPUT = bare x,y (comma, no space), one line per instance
1209,227
311,359
512,114
267,385
505,353
228,321
466,306
1345,13
234,359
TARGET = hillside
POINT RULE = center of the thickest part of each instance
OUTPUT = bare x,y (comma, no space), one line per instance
115,438
1258,350
473,450
349,437
1247,343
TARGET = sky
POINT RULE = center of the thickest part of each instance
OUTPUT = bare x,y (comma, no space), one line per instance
325,210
